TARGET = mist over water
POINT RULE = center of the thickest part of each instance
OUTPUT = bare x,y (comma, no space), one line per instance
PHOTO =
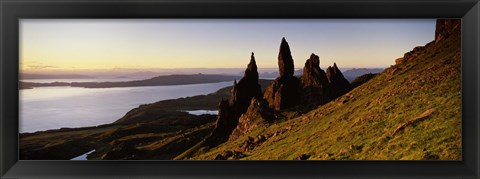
56,107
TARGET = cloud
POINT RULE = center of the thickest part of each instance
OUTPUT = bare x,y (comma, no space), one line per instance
36,65
41,66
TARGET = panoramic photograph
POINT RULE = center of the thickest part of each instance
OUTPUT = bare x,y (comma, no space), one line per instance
240,89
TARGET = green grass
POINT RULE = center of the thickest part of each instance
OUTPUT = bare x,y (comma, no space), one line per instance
361,128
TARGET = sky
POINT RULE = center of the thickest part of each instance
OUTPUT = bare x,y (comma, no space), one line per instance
106,44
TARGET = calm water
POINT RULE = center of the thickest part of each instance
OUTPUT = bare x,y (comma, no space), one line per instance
83,156
56,107
202,112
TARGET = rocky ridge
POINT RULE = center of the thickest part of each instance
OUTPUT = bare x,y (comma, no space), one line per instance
230,111
246,109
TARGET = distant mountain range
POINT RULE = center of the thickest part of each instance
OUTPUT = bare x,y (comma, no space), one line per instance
350,75
275,74
156,81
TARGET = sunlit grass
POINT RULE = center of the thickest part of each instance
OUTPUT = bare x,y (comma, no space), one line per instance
361,128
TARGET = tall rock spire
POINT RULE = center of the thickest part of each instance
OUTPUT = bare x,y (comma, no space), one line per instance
283,92
242,94
251,73
285,60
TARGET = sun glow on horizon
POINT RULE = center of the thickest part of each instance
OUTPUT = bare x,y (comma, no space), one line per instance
107,44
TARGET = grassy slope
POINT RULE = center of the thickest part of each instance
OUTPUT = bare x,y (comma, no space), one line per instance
359,125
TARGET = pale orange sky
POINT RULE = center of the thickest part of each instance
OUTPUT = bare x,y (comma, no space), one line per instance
73,45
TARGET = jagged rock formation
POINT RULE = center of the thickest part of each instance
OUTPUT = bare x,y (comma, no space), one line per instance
339,84
257,113
245,90
283,92
246,108
446,27
314,85
230,111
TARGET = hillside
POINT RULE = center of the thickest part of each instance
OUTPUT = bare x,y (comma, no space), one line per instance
410,111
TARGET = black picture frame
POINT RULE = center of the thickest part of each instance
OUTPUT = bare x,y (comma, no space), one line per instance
13,10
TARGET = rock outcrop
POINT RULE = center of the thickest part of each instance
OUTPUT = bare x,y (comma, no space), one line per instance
246,108
409,55
285,60
283,91
257,113
224,123
245,90
231,110
339,84
446,27
314,85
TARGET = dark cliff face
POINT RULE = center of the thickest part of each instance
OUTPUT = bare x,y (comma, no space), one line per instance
283,92
242,94
314,85
339,84
446,27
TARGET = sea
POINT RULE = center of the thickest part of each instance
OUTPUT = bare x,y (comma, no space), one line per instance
47,108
